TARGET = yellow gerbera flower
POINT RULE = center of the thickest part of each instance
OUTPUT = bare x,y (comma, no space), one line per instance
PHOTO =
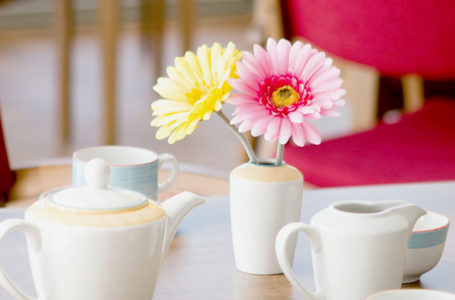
197,85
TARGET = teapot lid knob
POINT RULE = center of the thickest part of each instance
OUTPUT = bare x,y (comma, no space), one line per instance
97,173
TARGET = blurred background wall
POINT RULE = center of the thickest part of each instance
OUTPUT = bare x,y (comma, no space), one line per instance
29,77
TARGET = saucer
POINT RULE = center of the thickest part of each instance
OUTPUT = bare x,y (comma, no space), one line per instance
412,294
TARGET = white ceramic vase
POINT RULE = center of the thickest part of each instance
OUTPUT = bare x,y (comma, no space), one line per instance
263,198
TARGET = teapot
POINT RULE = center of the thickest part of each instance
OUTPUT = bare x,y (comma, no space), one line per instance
358,248
97,243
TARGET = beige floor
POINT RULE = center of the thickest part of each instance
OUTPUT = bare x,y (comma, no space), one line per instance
28,96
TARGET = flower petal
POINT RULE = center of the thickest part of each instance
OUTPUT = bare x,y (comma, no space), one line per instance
247,108
283,48
334,95
295,117
178,134
245,126
244,73
237,119
253,114
169,118
162,107
273,130
163,132
328,75
302,58
314,116
328,86
192,126
298,135
285,131
313,64
311,134
306,110
293,55
175,75
183,66
322,69
260,126
170,89
239,99
243,87
273,54
263,60
193,65
330,113
339,103
252,64
215,55
203,56
324,104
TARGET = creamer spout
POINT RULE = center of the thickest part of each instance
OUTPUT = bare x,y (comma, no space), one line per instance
410,212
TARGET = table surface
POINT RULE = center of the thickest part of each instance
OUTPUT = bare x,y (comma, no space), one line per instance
33,180
200,263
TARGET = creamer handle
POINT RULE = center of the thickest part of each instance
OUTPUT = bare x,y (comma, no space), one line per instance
162,158
281,246
33,237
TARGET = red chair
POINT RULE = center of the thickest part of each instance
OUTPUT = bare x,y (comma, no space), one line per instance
397,38
7,177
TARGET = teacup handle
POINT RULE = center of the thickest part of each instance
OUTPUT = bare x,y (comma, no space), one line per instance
167,157
34,238
281,245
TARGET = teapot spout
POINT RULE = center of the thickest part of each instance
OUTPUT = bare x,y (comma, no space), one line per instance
409,212
176,208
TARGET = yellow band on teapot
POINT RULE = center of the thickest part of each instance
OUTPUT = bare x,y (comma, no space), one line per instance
43,211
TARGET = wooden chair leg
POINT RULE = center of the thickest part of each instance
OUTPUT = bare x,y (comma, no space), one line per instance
109,23
186,22
412,92
152,30
64,30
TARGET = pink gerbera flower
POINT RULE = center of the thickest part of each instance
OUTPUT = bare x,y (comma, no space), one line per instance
283,87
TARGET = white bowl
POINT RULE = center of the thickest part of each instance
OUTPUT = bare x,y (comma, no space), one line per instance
425,245
412,294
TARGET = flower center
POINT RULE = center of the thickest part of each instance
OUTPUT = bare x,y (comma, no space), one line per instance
284,96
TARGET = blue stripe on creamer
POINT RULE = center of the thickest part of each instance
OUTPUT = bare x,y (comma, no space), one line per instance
428,238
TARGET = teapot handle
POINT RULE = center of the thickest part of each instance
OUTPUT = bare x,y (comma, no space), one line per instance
281,246
162,158
33,237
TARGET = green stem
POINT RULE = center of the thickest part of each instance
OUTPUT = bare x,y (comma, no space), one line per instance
241,137
279,154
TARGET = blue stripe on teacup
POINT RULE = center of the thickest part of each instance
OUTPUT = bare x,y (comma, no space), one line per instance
427,238
140,178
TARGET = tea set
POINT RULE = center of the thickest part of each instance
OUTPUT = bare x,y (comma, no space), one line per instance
360,247
105,238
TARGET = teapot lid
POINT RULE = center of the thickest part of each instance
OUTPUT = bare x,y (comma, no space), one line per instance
95,204
96,195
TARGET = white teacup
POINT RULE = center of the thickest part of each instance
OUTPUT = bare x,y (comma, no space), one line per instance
131,168
426,245
412,294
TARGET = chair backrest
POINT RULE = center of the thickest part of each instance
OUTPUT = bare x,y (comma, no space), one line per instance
396,37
